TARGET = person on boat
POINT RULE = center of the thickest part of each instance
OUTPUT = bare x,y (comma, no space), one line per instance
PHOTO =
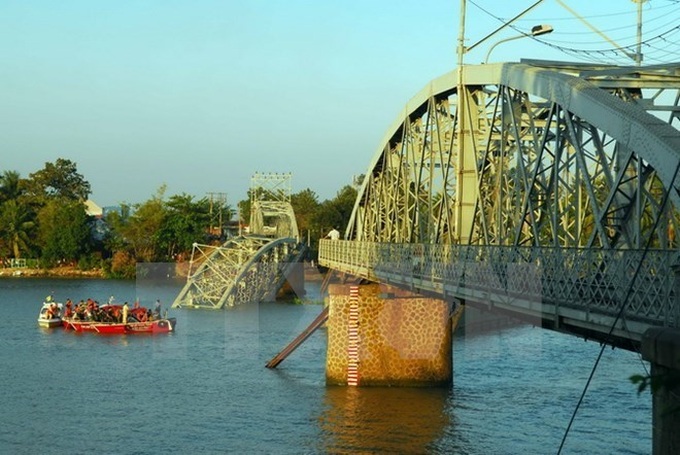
104,314
125,312
90,306
137,314
76,310
116,314
157,310
69,309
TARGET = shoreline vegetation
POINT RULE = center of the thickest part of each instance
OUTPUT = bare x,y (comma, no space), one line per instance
47,220
181,270
54,272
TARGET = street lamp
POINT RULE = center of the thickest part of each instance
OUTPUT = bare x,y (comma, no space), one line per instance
536,30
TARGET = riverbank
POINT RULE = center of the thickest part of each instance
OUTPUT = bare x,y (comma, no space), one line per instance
180,270
56,272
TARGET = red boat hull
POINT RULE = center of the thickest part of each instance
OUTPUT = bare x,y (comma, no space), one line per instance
114,328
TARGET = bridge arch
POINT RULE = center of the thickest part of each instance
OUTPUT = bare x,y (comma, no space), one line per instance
530,154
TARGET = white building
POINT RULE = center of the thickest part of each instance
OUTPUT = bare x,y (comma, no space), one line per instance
93,209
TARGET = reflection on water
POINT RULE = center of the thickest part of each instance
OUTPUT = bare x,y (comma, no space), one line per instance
383,420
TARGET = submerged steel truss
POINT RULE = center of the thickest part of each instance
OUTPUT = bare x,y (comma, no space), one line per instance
253,267
245,269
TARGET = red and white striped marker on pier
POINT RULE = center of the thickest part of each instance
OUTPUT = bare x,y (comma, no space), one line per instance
353,338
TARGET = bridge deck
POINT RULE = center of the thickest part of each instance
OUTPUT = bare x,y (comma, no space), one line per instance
605,295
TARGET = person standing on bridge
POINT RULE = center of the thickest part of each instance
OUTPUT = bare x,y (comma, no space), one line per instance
334,234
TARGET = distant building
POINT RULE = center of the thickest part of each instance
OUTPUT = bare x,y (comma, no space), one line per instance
92,209
113,208
98,226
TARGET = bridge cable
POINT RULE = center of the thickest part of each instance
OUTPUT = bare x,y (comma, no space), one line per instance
596,55
621,309
630,335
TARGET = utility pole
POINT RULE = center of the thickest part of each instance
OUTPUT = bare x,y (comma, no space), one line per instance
460,130
466,131
638,50
461,39
216,213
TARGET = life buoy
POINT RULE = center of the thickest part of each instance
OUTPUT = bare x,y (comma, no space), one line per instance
162,324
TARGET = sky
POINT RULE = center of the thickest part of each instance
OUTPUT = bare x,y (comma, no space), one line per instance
200,95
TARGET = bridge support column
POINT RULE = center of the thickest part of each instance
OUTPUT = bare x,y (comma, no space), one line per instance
661,347
383,336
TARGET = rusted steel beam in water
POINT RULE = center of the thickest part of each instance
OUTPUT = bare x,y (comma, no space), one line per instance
316,323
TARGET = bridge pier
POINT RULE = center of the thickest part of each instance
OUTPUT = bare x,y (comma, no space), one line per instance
384,336
661,347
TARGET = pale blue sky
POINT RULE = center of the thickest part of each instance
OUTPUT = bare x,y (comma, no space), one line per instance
200,95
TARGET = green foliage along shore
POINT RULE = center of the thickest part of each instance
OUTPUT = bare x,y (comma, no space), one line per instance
44,223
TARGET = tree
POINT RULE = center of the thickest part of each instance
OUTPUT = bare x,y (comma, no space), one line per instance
10,186
185,223
335,213
140,230
16,225
305,204
122,265
60,179
326,218
244,211
115,222
64,230
344,202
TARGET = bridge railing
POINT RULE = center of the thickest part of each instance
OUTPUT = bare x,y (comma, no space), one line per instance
593,281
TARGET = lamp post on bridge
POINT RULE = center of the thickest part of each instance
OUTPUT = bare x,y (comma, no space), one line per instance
537,30
465,163
462,49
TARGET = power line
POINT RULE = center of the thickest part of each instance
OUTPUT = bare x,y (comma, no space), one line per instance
612,54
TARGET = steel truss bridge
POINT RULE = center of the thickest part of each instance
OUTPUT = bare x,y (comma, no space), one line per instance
253,267
546,189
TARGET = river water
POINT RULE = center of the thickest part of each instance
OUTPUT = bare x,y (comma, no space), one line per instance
204,389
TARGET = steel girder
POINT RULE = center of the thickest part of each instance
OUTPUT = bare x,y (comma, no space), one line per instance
565,155
271,213
568,289
245,269
273,219
250,268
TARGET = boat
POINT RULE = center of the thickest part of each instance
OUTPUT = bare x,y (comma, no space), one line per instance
50,314
107,320
163,325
